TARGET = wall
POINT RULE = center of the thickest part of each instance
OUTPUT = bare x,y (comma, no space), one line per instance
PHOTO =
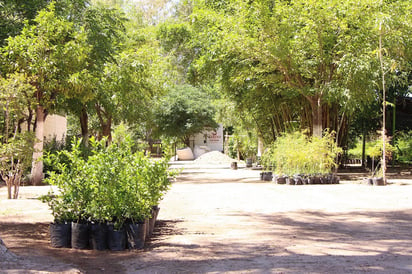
207,141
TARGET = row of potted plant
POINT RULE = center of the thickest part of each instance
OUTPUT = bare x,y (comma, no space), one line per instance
109,194
301,179
300,159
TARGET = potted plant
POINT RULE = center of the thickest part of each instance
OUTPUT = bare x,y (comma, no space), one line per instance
109,193
60,228
302,159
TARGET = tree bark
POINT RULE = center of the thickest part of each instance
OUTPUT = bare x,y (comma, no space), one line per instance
84,124
105,124
317,122
37,163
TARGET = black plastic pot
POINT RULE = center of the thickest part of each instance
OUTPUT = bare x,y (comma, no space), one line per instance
281,180
98,236
60,234
116,238
378,181
298,180
80,235
136,235
249,162
152,221
266,176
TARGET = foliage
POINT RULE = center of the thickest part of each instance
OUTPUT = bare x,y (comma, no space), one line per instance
296,153
373,148
14,14
16,102
289,63
15,158
243,141
184,111
112,184
16,148
403,147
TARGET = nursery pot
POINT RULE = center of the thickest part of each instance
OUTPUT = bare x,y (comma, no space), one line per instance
136,235
314,180
80,235
298,180
368,181
98,236
60,234
281,180
378,181
290,181
249,162
116,238
266,176
152,221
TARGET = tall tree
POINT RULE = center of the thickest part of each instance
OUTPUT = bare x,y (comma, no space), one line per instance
316,49
49,52
183,112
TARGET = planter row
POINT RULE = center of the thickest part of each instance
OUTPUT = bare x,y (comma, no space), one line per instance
300,180
102,236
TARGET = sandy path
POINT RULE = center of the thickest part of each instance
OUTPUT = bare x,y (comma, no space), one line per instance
222,220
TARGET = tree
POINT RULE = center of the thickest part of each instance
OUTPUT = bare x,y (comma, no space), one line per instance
50,53
317,51
15,148
183,112
14,13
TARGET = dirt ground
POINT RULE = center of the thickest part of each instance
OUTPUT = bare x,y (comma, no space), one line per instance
218,220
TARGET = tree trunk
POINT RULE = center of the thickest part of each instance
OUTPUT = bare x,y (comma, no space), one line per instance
37,163
317,124
84,124
107,129
363,148
105,124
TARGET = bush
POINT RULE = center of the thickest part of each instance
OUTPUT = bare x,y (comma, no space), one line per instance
296,153
112,184
403,147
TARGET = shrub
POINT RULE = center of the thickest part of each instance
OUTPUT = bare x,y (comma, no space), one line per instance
403,147
15,158
112,184
296,153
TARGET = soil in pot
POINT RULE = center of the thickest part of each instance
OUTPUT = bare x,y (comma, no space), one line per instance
80,235
60,234
98,236
116,238
136,235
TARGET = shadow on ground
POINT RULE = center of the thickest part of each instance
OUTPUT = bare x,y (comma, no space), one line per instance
375,242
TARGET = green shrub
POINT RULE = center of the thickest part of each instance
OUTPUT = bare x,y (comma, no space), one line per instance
373,148
112,184
403,147
296,153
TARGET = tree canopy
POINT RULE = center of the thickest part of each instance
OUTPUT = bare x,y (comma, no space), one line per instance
183,112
